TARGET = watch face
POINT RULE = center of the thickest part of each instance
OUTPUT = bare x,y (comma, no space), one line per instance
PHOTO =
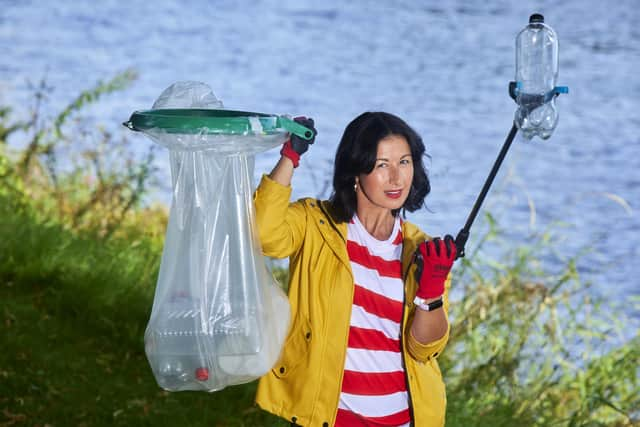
419,302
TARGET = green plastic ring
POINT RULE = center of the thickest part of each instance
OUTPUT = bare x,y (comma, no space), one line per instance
220,122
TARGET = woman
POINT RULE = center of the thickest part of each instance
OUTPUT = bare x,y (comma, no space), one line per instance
367,289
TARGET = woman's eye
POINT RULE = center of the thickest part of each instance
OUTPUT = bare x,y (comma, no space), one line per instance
382,165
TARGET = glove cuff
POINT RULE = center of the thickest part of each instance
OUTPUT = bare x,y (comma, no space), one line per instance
288,152
430,290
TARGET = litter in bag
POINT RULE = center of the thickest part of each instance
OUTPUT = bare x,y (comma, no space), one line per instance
218,317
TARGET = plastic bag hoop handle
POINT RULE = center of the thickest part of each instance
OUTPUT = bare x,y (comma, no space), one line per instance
295,128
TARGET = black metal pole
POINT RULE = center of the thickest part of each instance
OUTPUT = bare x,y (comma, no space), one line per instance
463,235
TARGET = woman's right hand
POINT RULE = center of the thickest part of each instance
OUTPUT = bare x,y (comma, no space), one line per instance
295,146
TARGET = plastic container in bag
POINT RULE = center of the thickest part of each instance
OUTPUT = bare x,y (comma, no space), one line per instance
218,316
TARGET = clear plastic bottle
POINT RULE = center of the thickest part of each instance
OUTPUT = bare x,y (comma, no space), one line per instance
536,75
190,350
173,346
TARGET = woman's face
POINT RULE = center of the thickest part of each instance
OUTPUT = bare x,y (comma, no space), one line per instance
387,185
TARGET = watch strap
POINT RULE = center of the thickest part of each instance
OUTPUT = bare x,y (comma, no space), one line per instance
428,306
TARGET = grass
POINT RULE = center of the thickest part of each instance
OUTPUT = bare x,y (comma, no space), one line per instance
532,345
73,312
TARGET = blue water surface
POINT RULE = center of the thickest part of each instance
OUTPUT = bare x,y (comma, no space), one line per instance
443,66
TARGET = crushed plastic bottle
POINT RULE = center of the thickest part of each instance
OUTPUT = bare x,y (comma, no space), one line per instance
536,75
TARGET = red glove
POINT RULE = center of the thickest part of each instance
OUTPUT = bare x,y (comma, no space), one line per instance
295,146
434,260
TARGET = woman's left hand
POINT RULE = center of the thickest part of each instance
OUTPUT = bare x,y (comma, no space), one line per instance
434,260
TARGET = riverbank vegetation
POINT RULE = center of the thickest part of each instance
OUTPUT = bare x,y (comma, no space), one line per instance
79,256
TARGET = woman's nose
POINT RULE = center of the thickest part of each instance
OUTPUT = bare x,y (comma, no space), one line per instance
394,174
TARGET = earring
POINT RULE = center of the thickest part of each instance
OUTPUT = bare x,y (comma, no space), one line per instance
355,187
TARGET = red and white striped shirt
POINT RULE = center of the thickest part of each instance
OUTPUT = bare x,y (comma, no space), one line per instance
374,391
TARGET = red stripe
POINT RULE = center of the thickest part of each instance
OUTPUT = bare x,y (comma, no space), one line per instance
371,339
398,239
377,304
347,418
373,383
361,255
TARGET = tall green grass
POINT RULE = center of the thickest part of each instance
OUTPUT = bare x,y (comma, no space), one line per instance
100,284
73,309
531,346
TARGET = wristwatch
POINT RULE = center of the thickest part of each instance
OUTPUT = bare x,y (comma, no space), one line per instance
427,306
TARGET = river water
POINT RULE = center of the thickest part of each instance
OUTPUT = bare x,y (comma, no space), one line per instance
443,66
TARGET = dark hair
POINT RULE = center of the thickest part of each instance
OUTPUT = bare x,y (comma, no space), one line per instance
357,153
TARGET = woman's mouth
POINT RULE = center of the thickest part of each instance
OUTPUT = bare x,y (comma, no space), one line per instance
394,194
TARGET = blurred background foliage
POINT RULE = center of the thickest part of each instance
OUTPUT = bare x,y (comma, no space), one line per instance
77,172
80,249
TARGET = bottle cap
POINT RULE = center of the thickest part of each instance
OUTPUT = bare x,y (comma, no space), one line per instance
202,374
536,18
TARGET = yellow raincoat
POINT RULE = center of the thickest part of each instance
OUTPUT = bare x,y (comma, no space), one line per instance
304,385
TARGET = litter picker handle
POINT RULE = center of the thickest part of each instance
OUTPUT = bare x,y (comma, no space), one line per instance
463,234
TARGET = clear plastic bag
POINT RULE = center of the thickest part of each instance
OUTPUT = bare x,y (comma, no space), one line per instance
218,318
